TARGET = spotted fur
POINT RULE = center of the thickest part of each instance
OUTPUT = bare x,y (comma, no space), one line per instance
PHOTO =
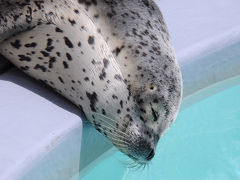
115,63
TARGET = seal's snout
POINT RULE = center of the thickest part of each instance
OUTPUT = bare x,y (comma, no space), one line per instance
145,153
150,155
142,149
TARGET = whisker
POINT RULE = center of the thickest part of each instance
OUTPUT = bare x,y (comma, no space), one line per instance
121,141
112,130
117,140
114,127
133,165
121,147
116,131
113,120
115,134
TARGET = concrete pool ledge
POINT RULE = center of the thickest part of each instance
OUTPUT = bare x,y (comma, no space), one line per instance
210,62
208,46
33,129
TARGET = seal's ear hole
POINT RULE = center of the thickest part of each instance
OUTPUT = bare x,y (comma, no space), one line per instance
152,87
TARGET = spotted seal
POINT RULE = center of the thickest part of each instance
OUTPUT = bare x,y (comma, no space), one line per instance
111,58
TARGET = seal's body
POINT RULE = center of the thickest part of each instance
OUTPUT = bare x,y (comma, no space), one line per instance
113,59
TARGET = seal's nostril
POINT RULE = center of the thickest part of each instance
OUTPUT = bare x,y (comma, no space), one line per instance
150,155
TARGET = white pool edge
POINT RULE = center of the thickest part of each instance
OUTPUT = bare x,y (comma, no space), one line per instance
33,159
208,46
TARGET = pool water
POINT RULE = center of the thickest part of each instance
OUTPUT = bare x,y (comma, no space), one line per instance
203,144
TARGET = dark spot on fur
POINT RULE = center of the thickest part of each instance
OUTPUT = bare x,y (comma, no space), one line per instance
60,79
24,58
103,112
149,25
165,67
117,50
65,64
114,96
43,68
33,44
93,100
121,104
91,40
69,57
105,62
86,79
68,42
58,54
39,4
72,21
58,30
29,15
24,68
49,47
16,44
93,61
51,61
44,53
118,77
102,75
96,15
144,54
145,2
76,11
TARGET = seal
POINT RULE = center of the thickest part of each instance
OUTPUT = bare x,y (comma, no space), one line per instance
115,63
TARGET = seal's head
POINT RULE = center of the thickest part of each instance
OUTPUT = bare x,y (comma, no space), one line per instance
154,103
157,96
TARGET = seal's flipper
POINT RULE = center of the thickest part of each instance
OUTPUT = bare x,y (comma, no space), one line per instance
4,64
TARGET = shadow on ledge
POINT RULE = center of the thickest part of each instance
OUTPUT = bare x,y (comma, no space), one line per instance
93,143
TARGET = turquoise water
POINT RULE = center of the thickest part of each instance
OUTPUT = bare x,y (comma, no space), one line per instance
203,144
